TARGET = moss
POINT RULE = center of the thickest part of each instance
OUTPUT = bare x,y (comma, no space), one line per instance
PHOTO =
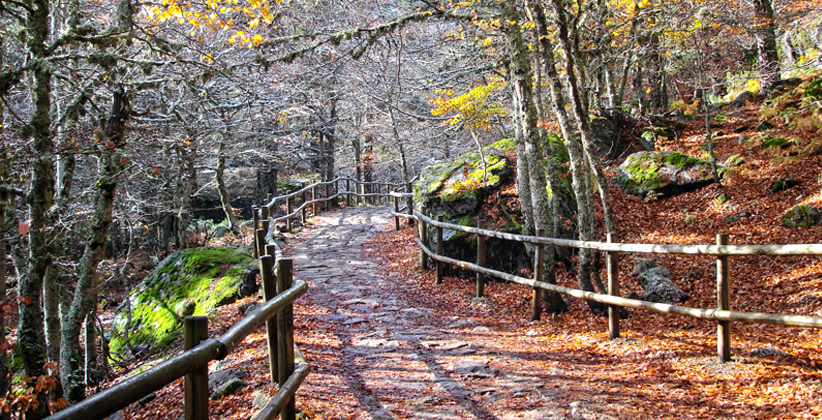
504,145
197,279
814,89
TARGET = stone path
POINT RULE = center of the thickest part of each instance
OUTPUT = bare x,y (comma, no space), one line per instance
380,352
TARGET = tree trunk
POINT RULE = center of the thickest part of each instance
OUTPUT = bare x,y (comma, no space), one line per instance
112,162
225,198
5,380
764,30
266,184
521,74
31,334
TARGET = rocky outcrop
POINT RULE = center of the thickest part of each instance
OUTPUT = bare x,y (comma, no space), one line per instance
801,217
189,282
664,174
656,282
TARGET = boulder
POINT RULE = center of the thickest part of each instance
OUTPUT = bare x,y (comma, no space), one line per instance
801,216
665,174
231,386
457,187
605,135
188,282
656,282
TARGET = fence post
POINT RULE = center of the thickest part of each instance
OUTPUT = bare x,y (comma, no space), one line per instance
396,212
348,191
256,216
481,263
539,269
327,196
267,198
196,382
612,264
288,206
723,301
304,207
314,204
265,213
424,239
259,243
360,187
269,292
440,249
285,332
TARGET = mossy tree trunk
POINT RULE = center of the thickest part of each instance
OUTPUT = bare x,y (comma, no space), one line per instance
31,333
521,75
5,380
112,162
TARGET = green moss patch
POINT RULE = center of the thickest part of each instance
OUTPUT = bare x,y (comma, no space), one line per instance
664,173
189,282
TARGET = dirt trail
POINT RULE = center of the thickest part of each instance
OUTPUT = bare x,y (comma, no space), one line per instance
382,349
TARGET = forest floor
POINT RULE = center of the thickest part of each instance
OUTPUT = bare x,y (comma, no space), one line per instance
385,342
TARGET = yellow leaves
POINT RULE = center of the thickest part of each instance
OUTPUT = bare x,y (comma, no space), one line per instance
207,58
257,13
470,109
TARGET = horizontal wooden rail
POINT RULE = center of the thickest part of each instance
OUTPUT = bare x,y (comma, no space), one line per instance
801,249
123,394
711,314
286,392
307,188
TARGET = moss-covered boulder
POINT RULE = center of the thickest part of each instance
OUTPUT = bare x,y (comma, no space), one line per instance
665,174
801,217
189,282
457,187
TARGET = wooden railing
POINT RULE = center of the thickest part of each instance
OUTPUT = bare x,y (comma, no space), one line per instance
313,197
722,251
279,291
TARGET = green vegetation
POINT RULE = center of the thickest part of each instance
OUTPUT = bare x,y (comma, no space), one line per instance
188,282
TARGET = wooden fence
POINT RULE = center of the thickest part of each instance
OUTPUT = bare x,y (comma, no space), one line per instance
314,197
722,252
279,291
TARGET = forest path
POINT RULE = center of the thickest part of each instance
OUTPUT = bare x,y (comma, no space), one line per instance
382,348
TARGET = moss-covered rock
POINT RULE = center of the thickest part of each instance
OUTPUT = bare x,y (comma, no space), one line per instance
457,187
665,174
189,282
801,217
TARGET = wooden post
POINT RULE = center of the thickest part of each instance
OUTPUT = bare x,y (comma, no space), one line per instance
256,216
285,333
440,249
327,197
304,207
360,187
723,301
612,264
424,239
270,292
267,198
313,198
348,191
196,382
265,213
481,263
259,242
396,211
288,206
539,269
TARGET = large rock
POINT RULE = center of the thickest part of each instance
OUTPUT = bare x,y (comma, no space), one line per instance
189,282
664,174
457,187
656,283
456,190
801,217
